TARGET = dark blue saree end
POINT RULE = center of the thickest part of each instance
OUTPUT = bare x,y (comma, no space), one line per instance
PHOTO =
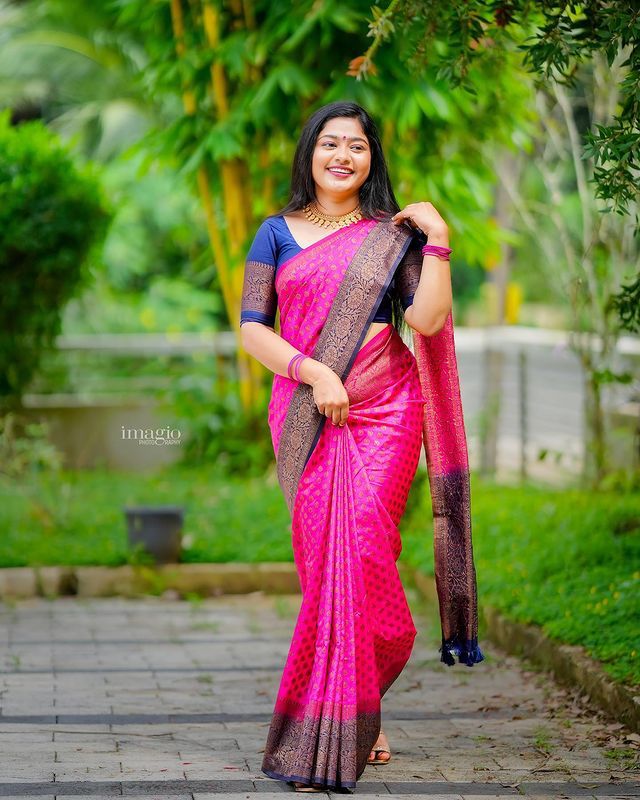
467,650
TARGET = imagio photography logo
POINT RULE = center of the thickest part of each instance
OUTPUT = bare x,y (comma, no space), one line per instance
152,436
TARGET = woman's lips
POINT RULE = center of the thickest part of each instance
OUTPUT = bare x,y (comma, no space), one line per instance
340,174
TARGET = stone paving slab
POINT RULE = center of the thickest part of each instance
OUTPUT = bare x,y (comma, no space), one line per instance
238,789
171,699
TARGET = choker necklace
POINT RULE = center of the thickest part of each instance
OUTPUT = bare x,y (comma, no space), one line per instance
313,213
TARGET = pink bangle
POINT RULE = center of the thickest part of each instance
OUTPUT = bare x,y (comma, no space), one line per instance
296,369
295,363
442,253
291,363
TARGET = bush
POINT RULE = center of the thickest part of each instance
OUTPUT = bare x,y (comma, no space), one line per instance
217,430
25,448
51,215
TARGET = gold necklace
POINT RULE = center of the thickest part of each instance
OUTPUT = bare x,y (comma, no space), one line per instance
313,213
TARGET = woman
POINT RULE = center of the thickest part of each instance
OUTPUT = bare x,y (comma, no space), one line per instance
350,408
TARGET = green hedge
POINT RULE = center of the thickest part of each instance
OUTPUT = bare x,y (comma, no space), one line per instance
51,214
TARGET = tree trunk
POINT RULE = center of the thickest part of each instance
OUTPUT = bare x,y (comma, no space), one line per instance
236,200
595,451
498,279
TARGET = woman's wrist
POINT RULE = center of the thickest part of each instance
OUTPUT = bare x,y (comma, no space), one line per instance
439,237
311,370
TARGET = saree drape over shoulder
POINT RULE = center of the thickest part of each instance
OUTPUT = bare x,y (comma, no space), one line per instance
347,487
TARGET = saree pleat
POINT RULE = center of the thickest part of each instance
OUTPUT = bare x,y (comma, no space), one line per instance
354,632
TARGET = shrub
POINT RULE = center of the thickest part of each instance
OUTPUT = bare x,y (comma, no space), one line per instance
51,216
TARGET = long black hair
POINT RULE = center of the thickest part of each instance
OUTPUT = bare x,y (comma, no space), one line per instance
377,199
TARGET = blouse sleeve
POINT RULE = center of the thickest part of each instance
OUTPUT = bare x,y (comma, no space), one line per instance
259,298
409,269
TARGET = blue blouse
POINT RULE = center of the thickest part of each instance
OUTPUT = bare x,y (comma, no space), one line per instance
272,245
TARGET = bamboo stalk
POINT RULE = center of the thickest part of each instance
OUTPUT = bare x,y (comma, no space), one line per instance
237,211
267,183
219,95
217,244
190,107
211,23
177,20
249,15
241,192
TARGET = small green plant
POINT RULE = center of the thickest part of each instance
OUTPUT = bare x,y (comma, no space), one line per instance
195,600
25,447
15,661
217,429
213,627
253,625
149,580
282,607
542,740
626,758
137,556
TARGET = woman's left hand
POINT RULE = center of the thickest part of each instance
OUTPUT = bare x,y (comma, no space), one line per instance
424,216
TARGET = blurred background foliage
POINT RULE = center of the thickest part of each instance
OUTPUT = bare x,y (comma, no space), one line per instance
190,111
144,141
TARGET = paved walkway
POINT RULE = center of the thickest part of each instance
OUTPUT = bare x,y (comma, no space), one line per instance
167,699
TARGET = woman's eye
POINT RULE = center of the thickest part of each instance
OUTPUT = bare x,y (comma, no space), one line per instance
332,144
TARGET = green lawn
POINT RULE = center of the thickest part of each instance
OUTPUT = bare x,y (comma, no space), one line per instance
568,560
77,517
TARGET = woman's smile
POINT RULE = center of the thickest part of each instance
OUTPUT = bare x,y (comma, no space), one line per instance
340,164
342,173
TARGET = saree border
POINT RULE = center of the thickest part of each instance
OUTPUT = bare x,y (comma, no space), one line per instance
345,327
305,251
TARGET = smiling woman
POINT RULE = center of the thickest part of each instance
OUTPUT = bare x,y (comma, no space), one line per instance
350,409
341,158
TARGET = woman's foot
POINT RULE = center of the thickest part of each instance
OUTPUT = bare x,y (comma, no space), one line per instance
305,787
381,754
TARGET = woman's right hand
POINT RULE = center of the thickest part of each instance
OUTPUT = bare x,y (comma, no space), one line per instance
329,393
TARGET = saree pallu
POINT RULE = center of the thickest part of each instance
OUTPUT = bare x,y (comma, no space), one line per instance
347,488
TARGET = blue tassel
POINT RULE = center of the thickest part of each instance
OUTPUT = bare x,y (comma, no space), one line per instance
468,651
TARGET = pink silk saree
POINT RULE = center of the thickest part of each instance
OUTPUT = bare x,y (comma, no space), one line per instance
346,489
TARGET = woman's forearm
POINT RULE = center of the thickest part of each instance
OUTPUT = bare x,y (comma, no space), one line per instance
275,353
433,297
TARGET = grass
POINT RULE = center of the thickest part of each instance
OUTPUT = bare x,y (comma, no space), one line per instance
77,517
568,560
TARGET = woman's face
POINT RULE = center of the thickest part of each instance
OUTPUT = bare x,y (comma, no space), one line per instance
341,158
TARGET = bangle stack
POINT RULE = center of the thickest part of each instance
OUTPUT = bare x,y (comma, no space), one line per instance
442,253
295,362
